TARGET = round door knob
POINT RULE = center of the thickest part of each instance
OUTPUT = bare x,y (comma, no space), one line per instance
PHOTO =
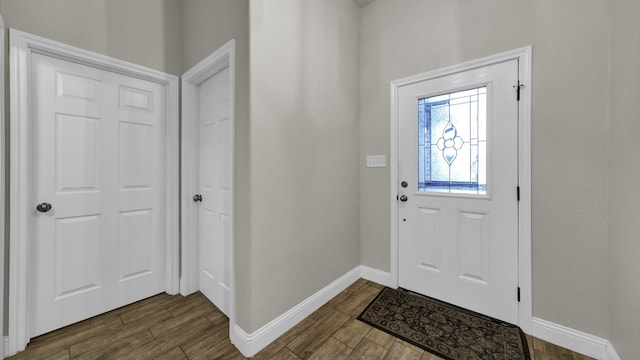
44,207
403,198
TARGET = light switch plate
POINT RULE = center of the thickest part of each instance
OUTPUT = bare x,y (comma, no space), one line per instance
376,161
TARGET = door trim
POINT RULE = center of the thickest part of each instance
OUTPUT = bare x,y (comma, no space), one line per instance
218,60
22,46
523,55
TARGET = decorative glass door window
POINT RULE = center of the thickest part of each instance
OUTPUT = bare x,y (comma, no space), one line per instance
452,142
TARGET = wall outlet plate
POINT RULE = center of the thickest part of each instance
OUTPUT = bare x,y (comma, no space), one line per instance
376,161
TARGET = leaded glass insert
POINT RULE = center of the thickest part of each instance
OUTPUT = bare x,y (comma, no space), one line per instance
452,142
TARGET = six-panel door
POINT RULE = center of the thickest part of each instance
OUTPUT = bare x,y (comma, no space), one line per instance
99,162
215,177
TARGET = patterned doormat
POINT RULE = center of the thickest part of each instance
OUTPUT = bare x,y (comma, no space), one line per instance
445,330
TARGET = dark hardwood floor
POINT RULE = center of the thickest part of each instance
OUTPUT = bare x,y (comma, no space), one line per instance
174,328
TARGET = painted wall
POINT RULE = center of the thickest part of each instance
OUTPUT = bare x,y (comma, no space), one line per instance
304,151
570,42
207,25
624,168
144,32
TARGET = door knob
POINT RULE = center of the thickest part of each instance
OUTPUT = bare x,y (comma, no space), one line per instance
44,207
197,198
403,198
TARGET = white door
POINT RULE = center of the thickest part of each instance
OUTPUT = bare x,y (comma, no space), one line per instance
215,186
98,154
458,178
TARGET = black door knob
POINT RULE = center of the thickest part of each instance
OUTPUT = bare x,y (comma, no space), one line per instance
197,198
403,198
44,207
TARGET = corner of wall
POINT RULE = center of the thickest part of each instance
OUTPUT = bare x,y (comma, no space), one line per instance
250,344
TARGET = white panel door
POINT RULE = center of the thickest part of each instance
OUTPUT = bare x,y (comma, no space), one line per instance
98,240
215,185
458,173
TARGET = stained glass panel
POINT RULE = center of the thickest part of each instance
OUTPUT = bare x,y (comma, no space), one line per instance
452,142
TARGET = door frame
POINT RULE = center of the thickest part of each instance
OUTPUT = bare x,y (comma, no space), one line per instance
523,56
220,59
22,46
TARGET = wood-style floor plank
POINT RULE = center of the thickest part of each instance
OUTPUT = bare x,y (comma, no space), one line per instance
309,341
380,337
173,354
400,351
331,349
165,343
144,308
273,349
352,333
111,349
359,300
205,341
222,351
119,337
167,327
367,349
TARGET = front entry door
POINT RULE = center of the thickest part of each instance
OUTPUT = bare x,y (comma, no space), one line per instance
458,178
98,241
215,169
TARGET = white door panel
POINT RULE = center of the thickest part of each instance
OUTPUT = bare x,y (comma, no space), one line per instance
215,174
458,229
99,160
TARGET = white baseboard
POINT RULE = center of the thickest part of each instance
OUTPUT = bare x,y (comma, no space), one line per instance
375,275
574,340
5,347
251,344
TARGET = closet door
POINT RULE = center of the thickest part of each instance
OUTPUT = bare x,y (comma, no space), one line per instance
215,184
98,162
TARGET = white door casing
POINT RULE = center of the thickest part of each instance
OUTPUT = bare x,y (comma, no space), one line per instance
27,53
208,158
437,271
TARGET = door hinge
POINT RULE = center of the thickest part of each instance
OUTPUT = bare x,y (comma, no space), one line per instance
518,87
518,293
518,192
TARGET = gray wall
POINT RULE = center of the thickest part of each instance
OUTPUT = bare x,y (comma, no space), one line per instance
207,25
624,214
304,150
570,42
145,32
